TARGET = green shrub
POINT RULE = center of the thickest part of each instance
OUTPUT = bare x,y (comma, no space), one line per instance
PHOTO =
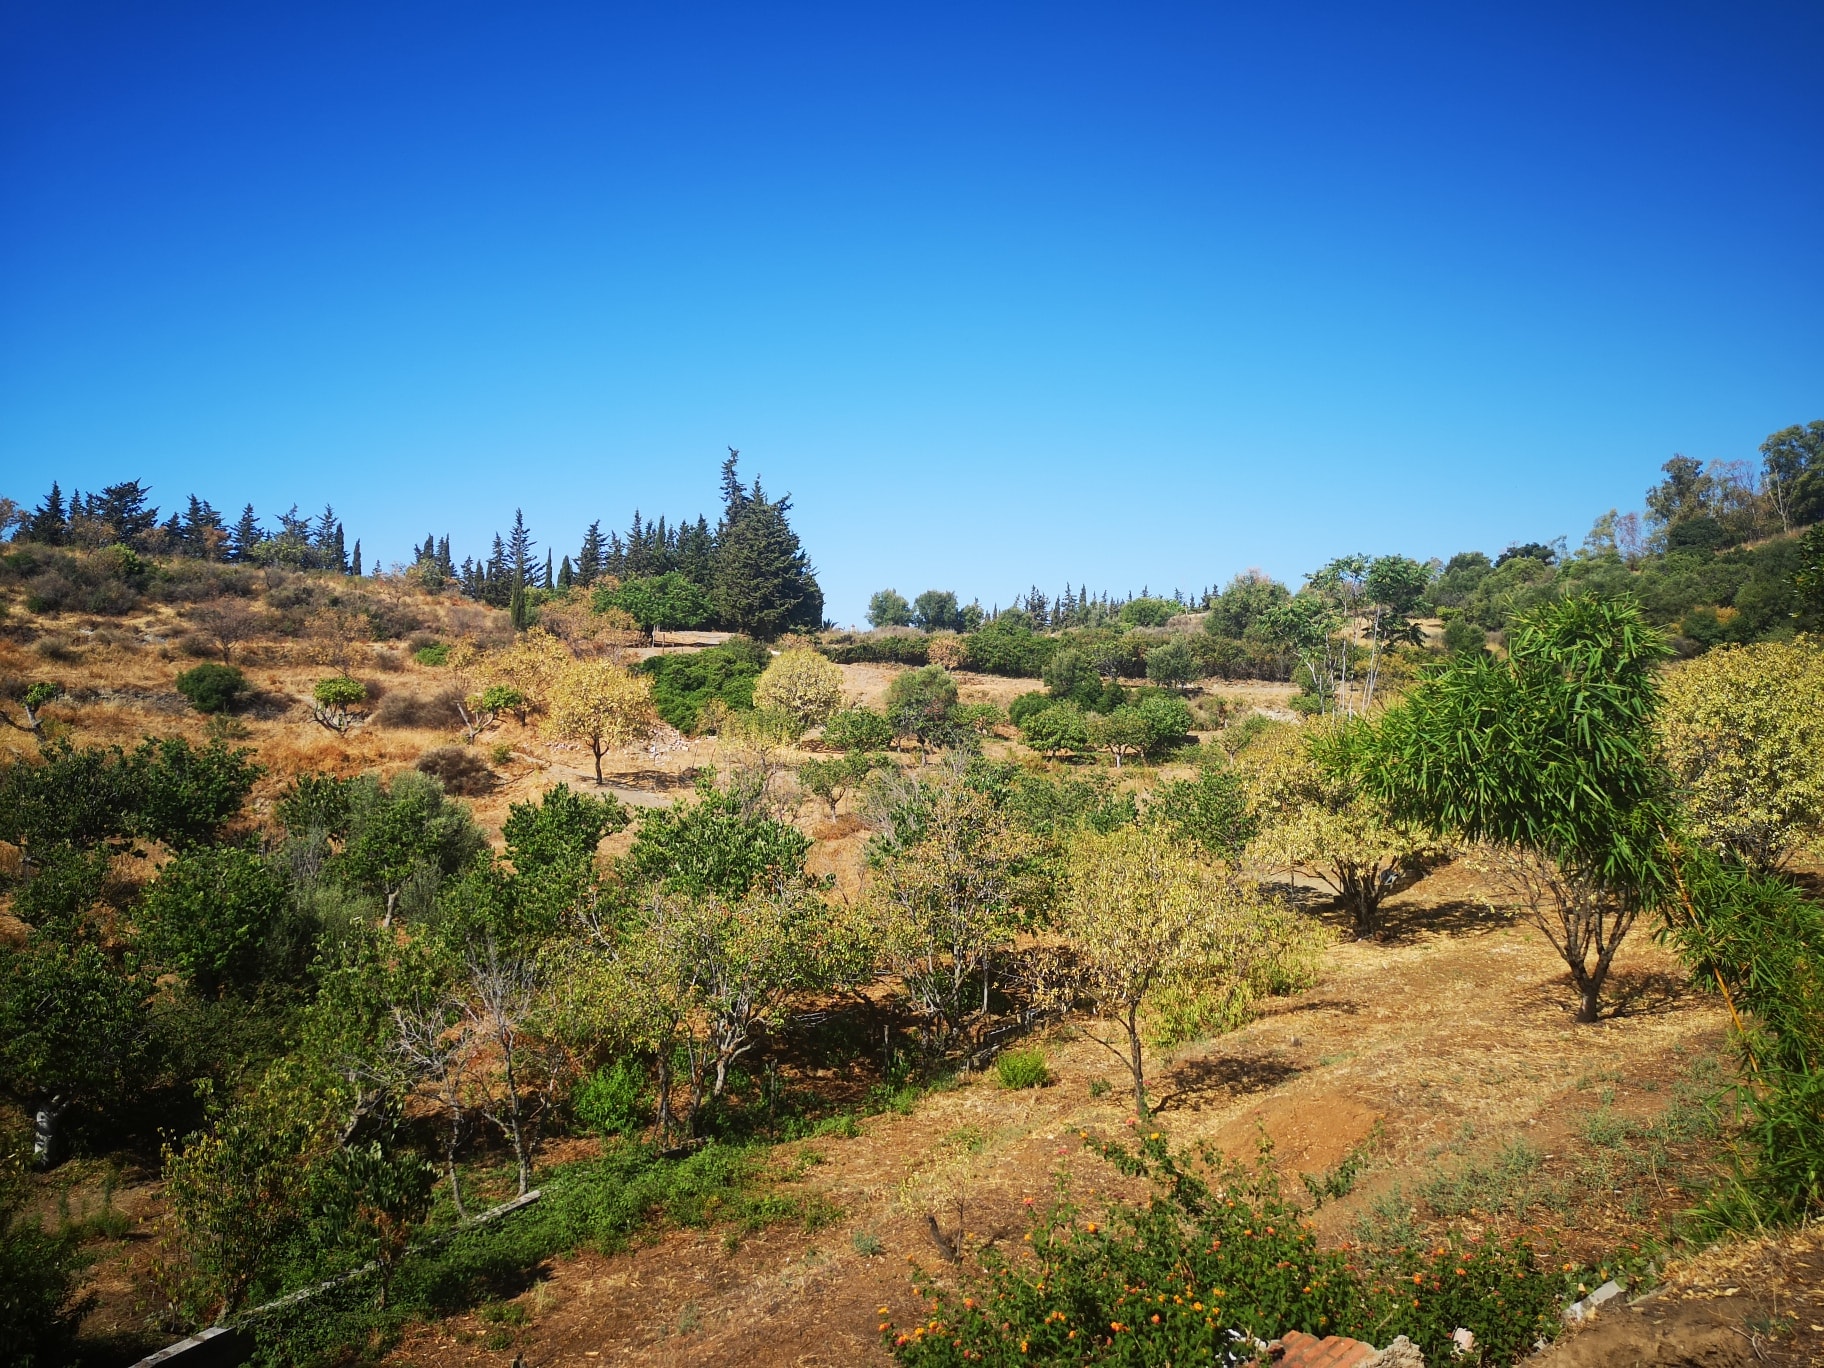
1208,1262
437,653
1022,1069
685,681
1009,646
611,1101
858,729
212,688
888,649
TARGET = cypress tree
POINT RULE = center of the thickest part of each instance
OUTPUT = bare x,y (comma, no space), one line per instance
355,564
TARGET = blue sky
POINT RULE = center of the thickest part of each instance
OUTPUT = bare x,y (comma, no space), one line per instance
1126,294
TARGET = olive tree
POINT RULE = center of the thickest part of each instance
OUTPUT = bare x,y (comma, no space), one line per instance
948,887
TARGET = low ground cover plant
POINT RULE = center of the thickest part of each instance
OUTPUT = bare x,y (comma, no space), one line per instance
1213,1263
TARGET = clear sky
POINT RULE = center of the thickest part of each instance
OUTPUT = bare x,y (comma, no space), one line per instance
1133,294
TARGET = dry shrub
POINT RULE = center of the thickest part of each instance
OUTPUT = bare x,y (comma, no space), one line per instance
399,710
197,646
460,768
388,661
58,648
947,649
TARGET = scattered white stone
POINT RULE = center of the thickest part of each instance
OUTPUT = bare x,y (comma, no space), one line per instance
1602,1296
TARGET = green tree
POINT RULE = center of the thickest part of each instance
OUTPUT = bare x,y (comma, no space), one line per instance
1548,755
184,796
336,702
1149,612
670,602
1056,730
1243,602
831,779
1171,664
713,846
764,584
73,1032
1792,461
212,688
403,831
858,729
936,610
1123,733
888,608
218,916
919,705
1209,812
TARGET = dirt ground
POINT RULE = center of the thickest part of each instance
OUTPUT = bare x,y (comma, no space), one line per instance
1437,1049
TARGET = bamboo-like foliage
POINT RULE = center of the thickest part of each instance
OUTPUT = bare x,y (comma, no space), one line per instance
1548,752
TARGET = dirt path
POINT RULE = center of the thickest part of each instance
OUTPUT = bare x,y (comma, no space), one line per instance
1455,1039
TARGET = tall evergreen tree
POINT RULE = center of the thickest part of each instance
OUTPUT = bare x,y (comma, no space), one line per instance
589,558
48,524
764,583
550,578
519,561
354,567
123,510
565,575
246,537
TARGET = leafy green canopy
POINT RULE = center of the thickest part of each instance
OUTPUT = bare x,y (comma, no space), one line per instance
670,602
683,684
1548,750
163,790
714,846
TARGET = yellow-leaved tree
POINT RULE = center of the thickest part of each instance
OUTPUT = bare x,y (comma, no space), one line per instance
801,684
600,705
1144,918
1742,730
1314,819
533,665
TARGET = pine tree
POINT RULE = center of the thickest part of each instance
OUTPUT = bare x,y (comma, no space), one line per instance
444,562
764,583
565,576
122,507
589,558
519,550
48,524
246,537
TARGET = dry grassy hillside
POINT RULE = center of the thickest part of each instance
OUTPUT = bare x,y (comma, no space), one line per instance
1431,1079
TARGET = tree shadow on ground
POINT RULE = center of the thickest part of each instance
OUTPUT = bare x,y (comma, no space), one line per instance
1641,992
1197,1083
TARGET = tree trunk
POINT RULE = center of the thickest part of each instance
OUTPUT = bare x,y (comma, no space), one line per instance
666,1120
1589,991
44,1131
519,1141
449,1154
598,765
1136,1060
